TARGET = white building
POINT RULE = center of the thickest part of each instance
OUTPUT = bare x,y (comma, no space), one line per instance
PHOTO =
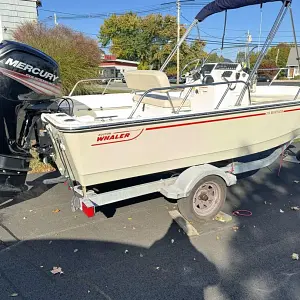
13,13
111,67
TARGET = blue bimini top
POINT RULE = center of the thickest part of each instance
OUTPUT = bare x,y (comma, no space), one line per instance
223,5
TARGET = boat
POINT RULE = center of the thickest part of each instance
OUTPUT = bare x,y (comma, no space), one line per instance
156,128
210,122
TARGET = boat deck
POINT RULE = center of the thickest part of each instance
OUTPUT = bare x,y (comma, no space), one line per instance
274,98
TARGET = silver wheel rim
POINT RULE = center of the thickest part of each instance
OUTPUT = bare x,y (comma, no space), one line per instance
206,198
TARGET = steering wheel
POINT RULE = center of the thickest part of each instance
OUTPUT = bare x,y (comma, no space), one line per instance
195,70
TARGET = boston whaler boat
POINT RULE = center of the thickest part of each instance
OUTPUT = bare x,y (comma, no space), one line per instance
193,138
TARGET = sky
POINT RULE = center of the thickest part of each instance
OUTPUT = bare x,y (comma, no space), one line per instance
239,21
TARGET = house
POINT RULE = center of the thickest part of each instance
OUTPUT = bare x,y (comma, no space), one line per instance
293,64
15,12
111,67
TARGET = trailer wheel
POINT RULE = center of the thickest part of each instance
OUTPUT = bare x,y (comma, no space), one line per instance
75,203
205,200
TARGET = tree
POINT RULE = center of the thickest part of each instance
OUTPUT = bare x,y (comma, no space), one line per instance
148,40
215,58
268,64
279,54
77,55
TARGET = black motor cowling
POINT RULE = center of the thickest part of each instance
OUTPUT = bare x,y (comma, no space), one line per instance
29,84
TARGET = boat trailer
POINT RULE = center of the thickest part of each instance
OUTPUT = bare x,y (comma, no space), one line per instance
205,182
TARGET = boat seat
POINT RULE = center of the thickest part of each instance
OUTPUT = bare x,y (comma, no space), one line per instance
144,80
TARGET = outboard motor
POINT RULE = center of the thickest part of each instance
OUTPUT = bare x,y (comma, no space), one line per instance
29,86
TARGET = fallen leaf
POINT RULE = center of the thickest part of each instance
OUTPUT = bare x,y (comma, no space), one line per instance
56,211
133,228
129,219
295,208
235,228
57,270
281,211
218,237
222,217
295,256
14,295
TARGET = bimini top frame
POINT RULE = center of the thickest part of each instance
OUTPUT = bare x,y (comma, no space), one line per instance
218,6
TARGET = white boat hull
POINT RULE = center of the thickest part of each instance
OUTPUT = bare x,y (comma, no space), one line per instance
139,147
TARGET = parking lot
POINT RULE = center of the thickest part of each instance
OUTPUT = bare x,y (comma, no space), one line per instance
135,250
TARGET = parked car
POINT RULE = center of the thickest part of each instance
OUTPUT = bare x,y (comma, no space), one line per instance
263,78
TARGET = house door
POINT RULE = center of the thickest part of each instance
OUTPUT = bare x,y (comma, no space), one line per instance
292,71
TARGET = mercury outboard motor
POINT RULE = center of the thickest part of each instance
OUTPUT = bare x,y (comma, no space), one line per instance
29,86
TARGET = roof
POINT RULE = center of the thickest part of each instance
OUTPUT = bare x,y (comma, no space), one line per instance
292,60
112,58
128,61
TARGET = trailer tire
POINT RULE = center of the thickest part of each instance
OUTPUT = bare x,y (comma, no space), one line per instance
211,190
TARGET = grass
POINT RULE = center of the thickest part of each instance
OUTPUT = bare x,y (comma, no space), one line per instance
37,166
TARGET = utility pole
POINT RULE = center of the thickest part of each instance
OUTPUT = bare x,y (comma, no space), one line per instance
55,20
277,56
249,40
178,5
178,38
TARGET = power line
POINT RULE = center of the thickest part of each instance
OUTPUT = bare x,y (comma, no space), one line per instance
103,15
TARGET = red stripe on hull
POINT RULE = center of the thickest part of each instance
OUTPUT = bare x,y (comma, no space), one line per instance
206,121
290,110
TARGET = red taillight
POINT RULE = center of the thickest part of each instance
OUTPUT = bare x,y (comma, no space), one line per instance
89,211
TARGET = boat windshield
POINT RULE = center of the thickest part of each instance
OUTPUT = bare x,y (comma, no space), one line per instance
207,68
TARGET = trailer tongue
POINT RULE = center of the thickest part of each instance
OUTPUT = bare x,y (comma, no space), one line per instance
29,86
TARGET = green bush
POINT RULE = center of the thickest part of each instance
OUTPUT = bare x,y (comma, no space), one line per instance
78,56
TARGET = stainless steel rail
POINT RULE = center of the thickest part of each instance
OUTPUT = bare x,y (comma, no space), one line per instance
183,86
93,79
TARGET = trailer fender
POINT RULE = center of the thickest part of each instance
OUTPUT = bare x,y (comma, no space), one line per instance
190,177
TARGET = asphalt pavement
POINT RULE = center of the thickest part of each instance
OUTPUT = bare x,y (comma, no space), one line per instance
135,250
